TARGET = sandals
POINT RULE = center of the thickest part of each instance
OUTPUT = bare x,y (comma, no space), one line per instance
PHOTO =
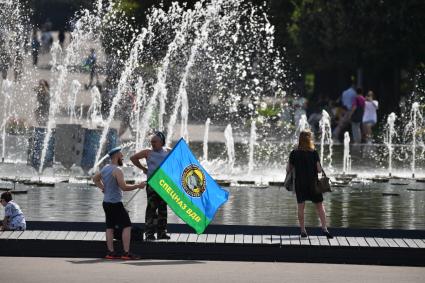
112,255
130,256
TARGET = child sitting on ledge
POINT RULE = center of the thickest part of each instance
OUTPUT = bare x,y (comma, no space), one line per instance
13,217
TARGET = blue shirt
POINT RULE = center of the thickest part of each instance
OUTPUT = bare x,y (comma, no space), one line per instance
348,97
112,192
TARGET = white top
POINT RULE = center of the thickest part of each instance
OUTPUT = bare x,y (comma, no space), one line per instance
15,215
370,111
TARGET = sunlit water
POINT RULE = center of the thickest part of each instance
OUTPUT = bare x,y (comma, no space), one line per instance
361,205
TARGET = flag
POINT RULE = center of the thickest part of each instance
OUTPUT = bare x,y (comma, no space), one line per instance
187,188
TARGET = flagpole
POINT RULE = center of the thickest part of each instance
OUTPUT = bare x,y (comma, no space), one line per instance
132,197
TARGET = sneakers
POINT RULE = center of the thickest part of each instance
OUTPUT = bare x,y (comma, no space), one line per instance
130,256
112,255
160,236
150,237
163,236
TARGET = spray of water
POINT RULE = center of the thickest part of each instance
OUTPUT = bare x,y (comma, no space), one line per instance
205,145
346,162
6,91
94,115
72,100
412,129
122,88
326,136
388,140
252,142
230,145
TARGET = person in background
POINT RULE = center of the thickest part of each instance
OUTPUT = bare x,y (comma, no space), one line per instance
61,37
13,217
347,99
18,64
125,112
305,161
35,47
91,64
370,117
300,108
110,180
43,103
356,115
4,56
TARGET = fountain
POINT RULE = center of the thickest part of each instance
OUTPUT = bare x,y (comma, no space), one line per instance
252,141
205,144
412,129
302,125
93,116
140,102
6,91
346,163
326,135
390,133
215,59
72,100
230,145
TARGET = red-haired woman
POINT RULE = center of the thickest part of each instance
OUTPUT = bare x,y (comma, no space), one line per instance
305,161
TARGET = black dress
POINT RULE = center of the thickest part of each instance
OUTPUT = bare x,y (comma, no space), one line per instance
305,164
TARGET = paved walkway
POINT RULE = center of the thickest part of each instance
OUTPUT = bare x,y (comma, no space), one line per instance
97,270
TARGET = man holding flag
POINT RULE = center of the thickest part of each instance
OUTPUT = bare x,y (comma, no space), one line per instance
187,188
156,208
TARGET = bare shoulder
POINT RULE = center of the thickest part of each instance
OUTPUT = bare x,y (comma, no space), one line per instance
117,171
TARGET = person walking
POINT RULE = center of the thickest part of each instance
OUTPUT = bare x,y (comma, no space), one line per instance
356,115
156,208
304,160
370,117
110,180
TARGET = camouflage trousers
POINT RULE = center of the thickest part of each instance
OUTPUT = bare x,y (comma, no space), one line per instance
156,213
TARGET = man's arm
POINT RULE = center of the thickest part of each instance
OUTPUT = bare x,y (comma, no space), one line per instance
98,181
135,159
119,175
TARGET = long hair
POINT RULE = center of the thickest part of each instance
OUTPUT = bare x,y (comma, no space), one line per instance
305,141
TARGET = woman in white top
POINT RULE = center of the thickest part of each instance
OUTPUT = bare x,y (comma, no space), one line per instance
369,116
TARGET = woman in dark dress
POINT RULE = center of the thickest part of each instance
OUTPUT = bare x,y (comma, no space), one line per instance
305,161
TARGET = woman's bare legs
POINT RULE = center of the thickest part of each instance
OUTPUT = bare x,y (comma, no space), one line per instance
322,215
301,216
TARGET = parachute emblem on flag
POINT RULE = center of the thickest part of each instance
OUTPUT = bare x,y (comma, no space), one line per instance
193,181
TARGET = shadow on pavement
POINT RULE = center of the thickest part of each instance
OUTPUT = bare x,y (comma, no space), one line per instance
90,261
137,262
163,262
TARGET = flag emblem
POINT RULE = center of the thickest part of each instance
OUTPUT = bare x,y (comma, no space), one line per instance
193,181
187,188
